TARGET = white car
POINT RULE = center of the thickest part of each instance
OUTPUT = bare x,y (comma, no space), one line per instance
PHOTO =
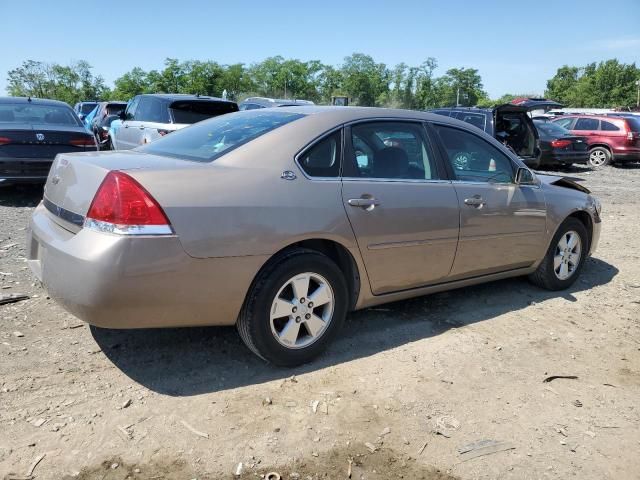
149,117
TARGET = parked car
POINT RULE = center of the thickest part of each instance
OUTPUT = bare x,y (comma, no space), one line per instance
508,123
558,147
32,132
149,117
105,114
82,109
610,138
282,220
254,103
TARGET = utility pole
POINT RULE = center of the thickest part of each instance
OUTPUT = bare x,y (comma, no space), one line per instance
638,100
458,97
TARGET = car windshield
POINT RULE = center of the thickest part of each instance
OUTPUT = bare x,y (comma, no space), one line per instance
33,113
87,107
193,112
551,129
115,108
208,140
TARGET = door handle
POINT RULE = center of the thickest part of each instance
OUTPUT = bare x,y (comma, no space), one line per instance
475,201
368,203
126,125
141,127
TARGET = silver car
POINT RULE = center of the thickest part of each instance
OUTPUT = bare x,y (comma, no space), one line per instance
149,117
280,221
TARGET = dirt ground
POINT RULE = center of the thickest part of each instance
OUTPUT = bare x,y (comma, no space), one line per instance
412,381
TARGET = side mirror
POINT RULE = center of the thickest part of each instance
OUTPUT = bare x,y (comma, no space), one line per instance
122,115
524,176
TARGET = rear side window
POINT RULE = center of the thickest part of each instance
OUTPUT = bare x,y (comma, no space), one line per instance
192,112
473,159
564,122
608,126
390,150
323,158
475,119
587,124
152,110
208,140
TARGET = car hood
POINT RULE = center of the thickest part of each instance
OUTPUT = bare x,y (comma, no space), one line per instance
565,182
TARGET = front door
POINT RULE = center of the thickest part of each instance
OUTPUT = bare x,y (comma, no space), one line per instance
125,136
502,224
405,218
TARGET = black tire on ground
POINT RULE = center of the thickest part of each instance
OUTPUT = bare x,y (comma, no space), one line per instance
599,157
254,323
545,276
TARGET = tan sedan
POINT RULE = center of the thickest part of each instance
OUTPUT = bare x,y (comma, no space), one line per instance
280,221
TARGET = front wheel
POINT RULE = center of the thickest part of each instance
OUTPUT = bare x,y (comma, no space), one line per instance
599,157
294,309
565,257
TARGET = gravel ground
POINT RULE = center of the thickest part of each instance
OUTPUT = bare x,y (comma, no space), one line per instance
413,381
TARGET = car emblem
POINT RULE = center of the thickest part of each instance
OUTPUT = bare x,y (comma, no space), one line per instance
55,179
40,136
288,175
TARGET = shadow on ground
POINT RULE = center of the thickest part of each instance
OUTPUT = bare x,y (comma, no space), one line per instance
20,195
191,361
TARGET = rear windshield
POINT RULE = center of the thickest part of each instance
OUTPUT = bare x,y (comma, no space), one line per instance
87,107
206,141
192,112
634,124
32,113
551,129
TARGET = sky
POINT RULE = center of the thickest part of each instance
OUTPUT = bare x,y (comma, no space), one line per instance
516,46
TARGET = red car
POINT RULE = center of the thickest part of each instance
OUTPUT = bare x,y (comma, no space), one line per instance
610,139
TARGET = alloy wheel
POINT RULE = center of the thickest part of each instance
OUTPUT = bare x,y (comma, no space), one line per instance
302,310
568,255
597,158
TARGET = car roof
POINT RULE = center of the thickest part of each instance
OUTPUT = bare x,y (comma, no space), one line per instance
276,101
586,115
33,101
349,114
184,96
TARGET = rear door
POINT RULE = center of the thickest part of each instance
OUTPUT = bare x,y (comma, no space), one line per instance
403,212
502,224
589,128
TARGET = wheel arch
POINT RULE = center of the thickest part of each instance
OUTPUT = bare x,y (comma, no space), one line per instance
335,251
601,145
583,217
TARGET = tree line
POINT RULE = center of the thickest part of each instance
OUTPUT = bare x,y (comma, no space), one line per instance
359,77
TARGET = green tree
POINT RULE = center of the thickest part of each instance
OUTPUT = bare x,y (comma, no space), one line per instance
365,81
459,86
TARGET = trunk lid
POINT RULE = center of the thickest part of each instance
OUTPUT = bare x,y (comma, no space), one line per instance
74,180
41,141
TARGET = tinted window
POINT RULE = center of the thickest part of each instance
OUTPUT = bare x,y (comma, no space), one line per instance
32,113
634,124
608,126
587,124
131,108
564,122
192,112
87,107
250,106
152,110
551,129
211,139
474,159
323,159
475,119
390,150
115,108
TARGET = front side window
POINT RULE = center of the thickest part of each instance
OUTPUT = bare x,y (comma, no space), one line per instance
131,108
323,158
210,139
587,124
390,150
473,159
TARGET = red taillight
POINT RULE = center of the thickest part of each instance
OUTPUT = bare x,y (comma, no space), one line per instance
560,143
629,136
83,142
122,201
5,140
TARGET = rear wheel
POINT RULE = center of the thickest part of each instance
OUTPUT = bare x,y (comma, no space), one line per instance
599,157
563,261
295,308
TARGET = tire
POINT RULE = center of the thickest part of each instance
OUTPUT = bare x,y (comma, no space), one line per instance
547,275
599,157
264,333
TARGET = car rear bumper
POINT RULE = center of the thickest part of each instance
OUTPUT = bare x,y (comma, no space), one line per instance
564,158
24,170
114,281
